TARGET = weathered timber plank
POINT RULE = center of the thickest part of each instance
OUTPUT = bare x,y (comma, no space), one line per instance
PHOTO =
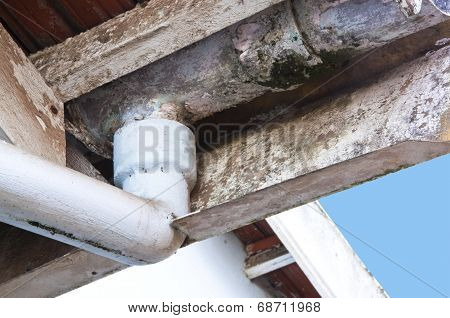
75,269
262,245
267,261
356,70
31,116
76,161
396,125
21,252
220,72
135,39
400,120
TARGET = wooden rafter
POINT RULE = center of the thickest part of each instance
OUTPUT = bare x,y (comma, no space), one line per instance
135,39
31,116
400,120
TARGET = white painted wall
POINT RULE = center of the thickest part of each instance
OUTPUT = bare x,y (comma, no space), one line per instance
323,253
211,268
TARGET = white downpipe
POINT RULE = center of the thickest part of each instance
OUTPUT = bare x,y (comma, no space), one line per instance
155,159
62,204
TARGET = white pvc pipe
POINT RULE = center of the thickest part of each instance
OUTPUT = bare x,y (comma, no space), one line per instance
67,206
156,157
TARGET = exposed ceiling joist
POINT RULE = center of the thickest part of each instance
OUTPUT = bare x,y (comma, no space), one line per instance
63,274
267,261
239,64
135,39
31,116
303,154
400,120
262,245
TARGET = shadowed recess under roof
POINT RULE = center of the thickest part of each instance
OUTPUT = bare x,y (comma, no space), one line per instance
37,24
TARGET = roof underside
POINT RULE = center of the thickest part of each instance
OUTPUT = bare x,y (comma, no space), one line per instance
37,24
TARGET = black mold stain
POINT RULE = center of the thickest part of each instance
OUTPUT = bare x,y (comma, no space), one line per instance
54,231
291,70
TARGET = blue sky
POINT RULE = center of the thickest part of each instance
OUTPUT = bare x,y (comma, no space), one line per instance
405,216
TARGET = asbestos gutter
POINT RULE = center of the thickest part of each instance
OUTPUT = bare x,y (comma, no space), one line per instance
276,50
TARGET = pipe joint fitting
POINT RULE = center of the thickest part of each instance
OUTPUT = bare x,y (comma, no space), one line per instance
155,159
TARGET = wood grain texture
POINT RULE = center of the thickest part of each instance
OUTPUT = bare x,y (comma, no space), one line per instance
261,245
60,275
353,71
31,116
76,161
220,72
135,39
267,261
338,142
290,281
21,252
399,120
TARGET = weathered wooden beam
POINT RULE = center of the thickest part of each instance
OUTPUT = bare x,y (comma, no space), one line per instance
31,116
269,52
135,39
267,261
58,276
323,253
291,282
262,245
355,71
77,161
400,120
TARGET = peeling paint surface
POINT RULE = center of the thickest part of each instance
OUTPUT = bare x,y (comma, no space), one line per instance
397,121
279,49
360,24
27,101
135,39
